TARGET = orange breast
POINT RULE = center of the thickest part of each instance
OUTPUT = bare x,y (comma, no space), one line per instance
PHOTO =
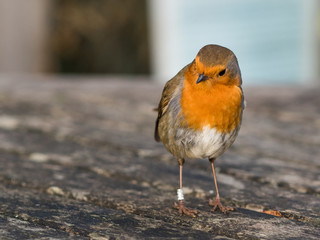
218,106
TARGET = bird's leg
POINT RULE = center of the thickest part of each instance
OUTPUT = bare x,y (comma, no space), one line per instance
180,206
217,203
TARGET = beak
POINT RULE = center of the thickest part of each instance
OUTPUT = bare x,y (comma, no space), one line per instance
201,78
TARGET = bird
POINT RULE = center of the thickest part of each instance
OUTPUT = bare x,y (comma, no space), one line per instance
200,114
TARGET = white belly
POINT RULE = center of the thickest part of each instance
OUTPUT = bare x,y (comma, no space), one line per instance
207,143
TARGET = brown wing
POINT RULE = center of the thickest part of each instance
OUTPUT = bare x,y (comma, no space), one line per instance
167,94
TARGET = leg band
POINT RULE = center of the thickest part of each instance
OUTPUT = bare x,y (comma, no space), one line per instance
180,194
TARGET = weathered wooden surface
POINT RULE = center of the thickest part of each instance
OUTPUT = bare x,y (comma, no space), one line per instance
78,161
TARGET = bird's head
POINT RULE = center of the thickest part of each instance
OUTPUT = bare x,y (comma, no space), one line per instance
213,65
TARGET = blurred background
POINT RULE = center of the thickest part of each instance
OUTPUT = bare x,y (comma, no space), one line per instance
276,42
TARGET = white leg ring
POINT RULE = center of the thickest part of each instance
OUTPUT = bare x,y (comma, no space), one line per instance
180,194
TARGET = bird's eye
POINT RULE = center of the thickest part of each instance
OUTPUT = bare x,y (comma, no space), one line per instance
221,73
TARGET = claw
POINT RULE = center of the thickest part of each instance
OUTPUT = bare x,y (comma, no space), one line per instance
183,210
217,205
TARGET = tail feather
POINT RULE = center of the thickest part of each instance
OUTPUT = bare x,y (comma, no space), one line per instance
156,132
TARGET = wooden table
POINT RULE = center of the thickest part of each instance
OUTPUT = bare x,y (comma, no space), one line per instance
78,160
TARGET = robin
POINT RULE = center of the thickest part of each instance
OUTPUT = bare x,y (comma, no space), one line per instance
200,112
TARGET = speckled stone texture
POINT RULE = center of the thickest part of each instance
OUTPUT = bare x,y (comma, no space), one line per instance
78,161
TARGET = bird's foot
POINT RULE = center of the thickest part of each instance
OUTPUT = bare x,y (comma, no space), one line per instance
216,204
183,210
